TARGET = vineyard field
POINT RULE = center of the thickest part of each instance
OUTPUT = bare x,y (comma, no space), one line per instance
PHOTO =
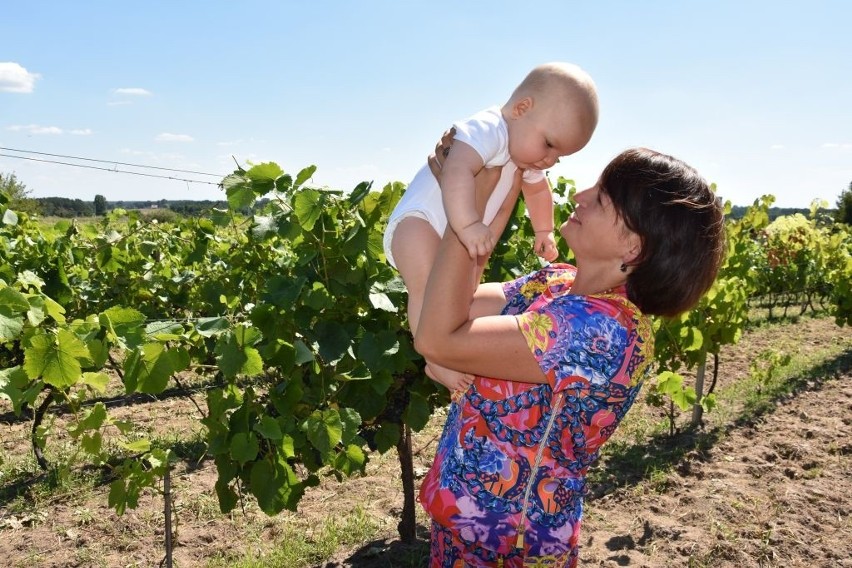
771,483
218,388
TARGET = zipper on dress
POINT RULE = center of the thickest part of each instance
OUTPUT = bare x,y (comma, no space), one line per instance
521,528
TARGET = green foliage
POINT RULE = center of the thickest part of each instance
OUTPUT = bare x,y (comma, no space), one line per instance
844,207
284,298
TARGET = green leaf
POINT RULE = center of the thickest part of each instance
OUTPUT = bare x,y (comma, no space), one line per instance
54,310
149,368
324,429
308,207
11,325
275,486
244,447
684,398
56,358
126,324
37,312
693,338
234,360
93,420
208,327
376,348
14,300
269,428
97,381
387,436
13,381
264,171
137,446
669,382
351,423
239,191
220,217
360,192
380,301
92,443
164,330
283,291
117,496
98,351
333,341
304,175
318,298
417,412
228,498
303,354
350,460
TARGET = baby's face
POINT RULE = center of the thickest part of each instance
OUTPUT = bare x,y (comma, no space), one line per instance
539,135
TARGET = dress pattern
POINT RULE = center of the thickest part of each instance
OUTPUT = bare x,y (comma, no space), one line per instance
507,484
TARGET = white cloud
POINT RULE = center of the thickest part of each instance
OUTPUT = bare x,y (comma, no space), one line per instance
167,137
34,129
81,131
132,91
835,145
16,79
777,147
119,103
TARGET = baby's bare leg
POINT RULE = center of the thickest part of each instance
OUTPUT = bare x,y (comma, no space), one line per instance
415,246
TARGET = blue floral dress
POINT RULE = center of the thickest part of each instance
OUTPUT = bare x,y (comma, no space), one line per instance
507,484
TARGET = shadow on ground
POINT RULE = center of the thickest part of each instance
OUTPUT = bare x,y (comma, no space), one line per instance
388,553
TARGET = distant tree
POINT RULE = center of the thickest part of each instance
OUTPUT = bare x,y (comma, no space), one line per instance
844,207
100,205
17,193
13,188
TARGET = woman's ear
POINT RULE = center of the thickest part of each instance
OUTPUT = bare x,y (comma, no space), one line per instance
634,248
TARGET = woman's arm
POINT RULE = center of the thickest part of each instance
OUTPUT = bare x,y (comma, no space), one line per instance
490,345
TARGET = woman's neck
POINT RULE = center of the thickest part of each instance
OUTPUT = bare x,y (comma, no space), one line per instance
597,279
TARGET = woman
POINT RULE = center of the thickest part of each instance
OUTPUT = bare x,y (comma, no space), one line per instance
559,356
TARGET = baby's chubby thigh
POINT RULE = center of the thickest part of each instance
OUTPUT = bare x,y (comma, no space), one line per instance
421,200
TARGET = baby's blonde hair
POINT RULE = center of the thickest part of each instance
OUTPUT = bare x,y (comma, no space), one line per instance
561,82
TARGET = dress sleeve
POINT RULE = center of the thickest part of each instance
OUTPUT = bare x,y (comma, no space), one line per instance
578,341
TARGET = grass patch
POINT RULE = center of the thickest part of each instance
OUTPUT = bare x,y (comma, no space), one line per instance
302,543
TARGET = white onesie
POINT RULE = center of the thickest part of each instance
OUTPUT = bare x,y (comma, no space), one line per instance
485,132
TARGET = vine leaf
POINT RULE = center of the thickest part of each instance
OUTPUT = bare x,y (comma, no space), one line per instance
55,357
324,429
148,369
275,486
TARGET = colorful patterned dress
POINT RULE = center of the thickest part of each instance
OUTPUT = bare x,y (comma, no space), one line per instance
507,484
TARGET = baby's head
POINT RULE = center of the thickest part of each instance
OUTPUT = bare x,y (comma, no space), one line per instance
552,113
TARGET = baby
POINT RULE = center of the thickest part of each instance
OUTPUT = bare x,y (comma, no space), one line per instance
552,113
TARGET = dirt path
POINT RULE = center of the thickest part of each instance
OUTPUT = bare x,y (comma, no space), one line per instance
778,493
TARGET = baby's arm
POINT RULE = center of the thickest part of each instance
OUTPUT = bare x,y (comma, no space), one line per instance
539,201
458,194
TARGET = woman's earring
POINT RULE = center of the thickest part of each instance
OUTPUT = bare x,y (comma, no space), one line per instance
623,267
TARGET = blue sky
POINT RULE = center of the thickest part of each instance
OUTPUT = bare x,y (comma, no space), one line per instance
755,94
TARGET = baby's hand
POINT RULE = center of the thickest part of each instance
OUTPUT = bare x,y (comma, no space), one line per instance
477,239
545,245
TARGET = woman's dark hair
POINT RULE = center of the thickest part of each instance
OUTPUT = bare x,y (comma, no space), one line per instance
680,223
